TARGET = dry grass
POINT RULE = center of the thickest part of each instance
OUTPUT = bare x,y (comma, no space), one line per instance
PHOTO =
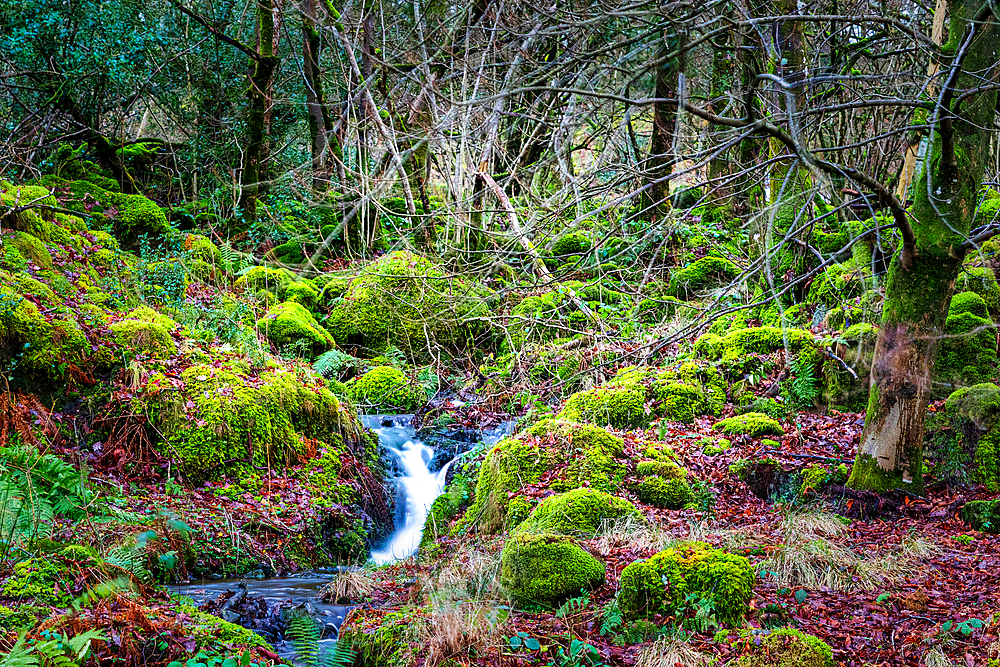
469,607
348,586
729,540
809,557
633,532
670,652
936,658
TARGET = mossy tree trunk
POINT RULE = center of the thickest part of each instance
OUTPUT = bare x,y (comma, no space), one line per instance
262,66
922,276
722,88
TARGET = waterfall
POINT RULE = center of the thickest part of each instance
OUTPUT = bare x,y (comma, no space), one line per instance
416,489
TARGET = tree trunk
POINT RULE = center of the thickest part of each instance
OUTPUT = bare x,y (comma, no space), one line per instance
261,73
661,158
722,89
319,122
922,277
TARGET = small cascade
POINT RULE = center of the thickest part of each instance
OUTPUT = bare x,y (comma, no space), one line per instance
416,489
419,484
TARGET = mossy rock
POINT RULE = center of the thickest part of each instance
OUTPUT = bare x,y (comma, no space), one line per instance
702,274
982,515
573,243
576,512
671,494
405,300
225,417
739,347
387,389
290,324
714,447
383,637
753,424
841,388
617,406
30,248
969,302
265,278
146,331
579,454
661,584
547,569
968,351
787,647
546,317
982,281
964,439
302,292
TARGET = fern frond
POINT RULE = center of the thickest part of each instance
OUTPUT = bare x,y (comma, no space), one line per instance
342,655
129,560
305,635
20,655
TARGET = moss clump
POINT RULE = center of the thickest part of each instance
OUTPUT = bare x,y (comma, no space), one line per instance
41,580
967,302
620,407
753,424
224,417
983,282
407,301
541,568
577,512
263,278
661,584
554,314
574,243
701,274
386,388
666,493
290,324
145,331
982,515
382,637
30,248
968,352
737,348
787,647
968,435
714,447
302,292
443,511
579,454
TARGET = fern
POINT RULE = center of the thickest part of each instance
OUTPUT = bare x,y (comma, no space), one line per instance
804,388
55,651
573,605
612,619
305,634
332,364
24,514
131,560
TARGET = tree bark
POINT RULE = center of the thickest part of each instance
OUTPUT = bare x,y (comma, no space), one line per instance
922,277
660,162
254,170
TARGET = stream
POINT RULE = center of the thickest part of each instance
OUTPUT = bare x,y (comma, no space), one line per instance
419,475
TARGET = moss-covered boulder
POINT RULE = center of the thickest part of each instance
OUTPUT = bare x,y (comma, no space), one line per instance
962,442
383,637
753,424
289,324
739,349
302,292
222,417
637,395
387,389
843,388
145,331
968,351
555,454
662,484
982,515
576,512
702,274
547,569
266,279
787,647
405,300
661,584
135,218
982,281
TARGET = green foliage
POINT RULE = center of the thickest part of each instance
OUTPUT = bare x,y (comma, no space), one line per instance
546,568
787,647
53,650
701,274
386,388
289,323
804,387
305,633
753,424
662,583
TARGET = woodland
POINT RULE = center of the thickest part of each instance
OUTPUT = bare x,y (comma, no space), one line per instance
584,333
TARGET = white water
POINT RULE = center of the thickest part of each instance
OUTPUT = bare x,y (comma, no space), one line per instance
417,489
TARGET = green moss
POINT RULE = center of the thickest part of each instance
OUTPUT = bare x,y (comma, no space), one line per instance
574,243
145,331
302,292
386,388
967,302
982,515
983,282
40,580
661,584
223,417
968,352
382,637
715,447
620,407
787,647
579,454
265,278
407,301
577,512
701,274
289,324
753,424
540,568
445,508
212,629
30,248
666,493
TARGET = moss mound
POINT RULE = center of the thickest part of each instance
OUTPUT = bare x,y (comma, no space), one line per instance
753,424
382,637
546,317
787,647
968,352
700,275
577,512
386,388
406,301
661,584
662,484
145,331
222,418
982,515
290,324
540,568
569,455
